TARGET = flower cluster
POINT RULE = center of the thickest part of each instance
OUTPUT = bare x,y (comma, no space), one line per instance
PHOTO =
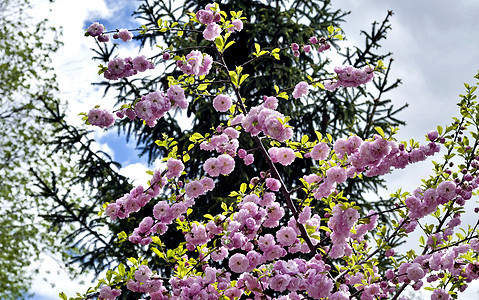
283,155
372,158
197,188
444,260
210,16
248,159
96,30
223,164
120,68
349,76
107,293
143,283
271,247
340,224
264,118
307,48
196,63
237,25
422,203
155,105
124,35
136,199
225,142
322,42
100,118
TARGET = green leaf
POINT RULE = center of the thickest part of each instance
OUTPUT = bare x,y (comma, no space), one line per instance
157,252
304,139
202,86
133,261
330,29
121,270
63,296
224,206
330,138
243,77
243,187
283,95
208,216
379,130
229,44
219,42
439,129
234,77
257,47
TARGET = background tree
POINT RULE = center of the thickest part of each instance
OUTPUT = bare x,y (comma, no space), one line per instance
27,85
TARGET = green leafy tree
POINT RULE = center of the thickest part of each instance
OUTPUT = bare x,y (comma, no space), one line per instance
27,85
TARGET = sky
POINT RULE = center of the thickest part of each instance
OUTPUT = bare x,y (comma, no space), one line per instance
434,43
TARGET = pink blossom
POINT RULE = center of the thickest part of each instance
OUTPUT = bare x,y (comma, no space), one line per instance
95,29
300,90
143,273
195,63
222,103
219,254
205,16
320,151
141,64
232,133
107,293
194,189
286,236
162,211
304,215
279,282
273,184
227,164
212,166
208,183
271,103
336,174
211,32
100,118
238,263
177,95
175,168
238,24
446,190
440,294
125,35
249,159
415,272
285,156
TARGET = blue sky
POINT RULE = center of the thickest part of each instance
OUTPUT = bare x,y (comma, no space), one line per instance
435,47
